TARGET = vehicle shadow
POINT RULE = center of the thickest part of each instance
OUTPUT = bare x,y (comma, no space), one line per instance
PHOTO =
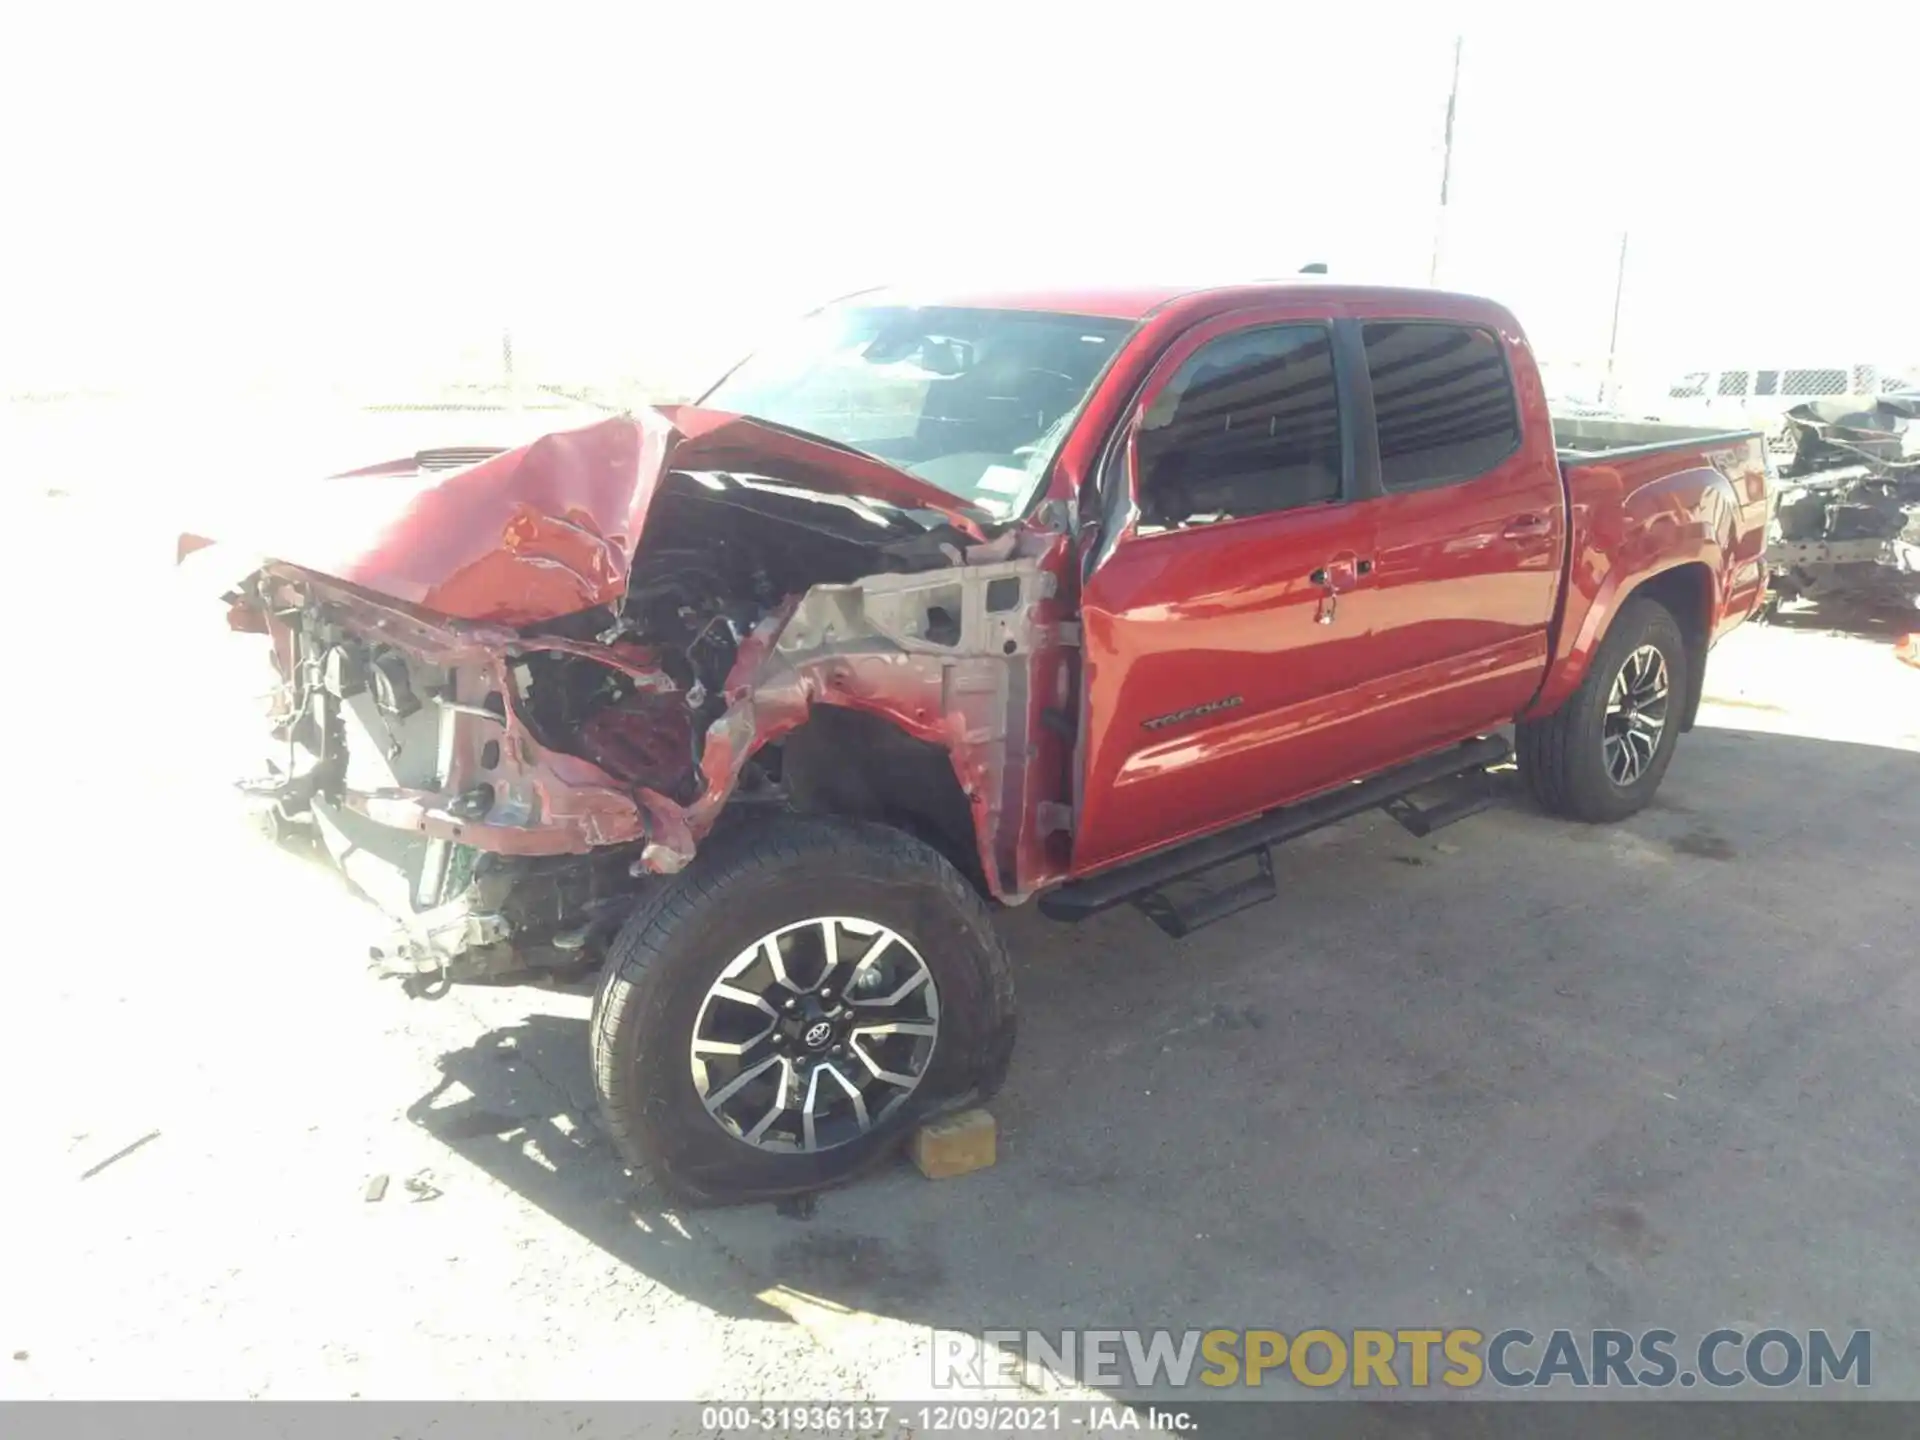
1507,1072
1884,623
517,1104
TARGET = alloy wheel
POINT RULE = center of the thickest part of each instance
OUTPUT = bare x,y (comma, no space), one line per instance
814,1034
1636,715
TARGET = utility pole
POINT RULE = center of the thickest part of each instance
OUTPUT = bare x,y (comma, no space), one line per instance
1613,334
1446,166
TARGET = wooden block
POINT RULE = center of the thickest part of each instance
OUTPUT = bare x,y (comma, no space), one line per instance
955,1144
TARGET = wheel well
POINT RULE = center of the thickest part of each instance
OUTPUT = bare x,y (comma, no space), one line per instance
1687,592
850,762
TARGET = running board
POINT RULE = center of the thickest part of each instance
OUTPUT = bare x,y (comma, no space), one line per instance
1142,881
1472,793
1180,921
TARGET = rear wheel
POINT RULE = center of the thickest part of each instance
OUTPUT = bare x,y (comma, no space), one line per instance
1602,755
780,1015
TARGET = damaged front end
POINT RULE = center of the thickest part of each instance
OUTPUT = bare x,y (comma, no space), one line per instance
422,752
1846,524
501,767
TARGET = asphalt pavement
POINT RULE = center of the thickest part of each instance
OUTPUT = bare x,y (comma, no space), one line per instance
1521,1072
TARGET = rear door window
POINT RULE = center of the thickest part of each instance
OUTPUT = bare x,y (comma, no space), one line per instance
1443,401
1248,425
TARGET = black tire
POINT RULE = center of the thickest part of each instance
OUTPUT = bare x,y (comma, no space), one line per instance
744,885
1562,757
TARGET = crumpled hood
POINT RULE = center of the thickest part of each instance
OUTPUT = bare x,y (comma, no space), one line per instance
543,530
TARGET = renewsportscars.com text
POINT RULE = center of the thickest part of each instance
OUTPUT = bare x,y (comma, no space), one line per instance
1458,1358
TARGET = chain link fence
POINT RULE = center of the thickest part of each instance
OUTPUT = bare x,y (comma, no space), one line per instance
1737,397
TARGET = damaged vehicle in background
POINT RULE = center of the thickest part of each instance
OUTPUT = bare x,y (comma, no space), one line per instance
1088,596
1846,525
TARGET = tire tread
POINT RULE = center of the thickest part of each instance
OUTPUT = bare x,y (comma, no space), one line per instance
631,981
1558,753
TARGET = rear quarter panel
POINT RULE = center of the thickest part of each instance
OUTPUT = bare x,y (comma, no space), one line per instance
1637,516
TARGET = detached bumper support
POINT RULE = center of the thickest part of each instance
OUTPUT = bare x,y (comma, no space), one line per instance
425,948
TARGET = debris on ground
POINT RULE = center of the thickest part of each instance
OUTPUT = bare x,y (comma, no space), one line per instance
376,1188
955,1144
118,1155
420,1185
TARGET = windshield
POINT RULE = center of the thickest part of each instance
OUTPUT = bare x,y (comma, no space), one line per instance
973,401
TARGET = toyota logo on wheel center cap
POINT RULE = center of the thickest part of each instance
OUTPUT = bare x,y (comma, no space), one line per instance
817,1034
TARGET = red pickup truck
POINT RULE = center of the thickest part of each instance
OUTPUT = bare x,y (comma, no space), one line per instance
1086,596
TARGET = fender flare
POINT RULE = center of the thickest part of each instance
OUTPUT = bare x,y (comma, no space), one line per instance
1649,542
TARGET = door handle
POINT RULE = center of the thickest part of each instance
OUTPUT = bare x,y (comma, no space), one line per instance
1523,527
1341,572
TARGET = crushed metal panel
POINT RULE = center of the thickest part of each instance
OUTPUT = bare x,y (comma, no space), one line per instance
1846,522
544,530
947,655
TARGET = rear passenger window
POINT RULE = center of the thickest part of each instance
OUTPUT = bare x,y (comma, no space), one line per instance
1442,400
1248,425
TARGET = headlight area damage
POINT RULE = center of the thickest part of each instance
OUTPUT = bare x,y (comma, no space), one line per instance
509,690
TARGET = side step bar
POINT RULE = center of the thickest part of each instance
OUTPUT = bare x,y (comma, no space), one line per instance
1471,794
1140,881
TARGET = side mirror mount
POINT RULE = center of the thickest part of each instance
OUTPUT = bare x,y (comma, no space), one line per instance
1106,499
1091,532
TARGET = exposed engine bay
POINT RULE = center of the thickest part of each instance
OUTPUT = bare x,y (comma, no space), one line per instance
497,789
723,552
1846,523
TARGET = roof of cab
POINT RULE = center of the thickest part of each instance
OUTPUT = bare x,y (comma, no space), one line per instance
1119,302
1137,302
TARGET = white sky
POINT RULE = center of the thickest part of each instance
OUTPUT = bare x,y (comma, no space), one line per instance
203,192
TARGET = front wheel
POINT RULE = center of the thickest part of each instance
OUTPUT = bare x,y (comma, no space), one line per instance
782,1013
1602,754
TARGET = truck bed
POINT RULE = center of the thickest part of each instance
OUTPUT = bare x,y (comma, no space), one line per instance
1583,439
1653,483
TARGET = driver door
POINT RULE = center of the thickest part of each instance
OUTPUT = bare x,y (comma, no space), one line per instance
1220,660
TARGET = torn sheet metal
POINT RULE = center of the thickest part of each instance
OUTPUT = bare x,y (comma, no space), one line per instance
965,658
1846,522
544,530
950,657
